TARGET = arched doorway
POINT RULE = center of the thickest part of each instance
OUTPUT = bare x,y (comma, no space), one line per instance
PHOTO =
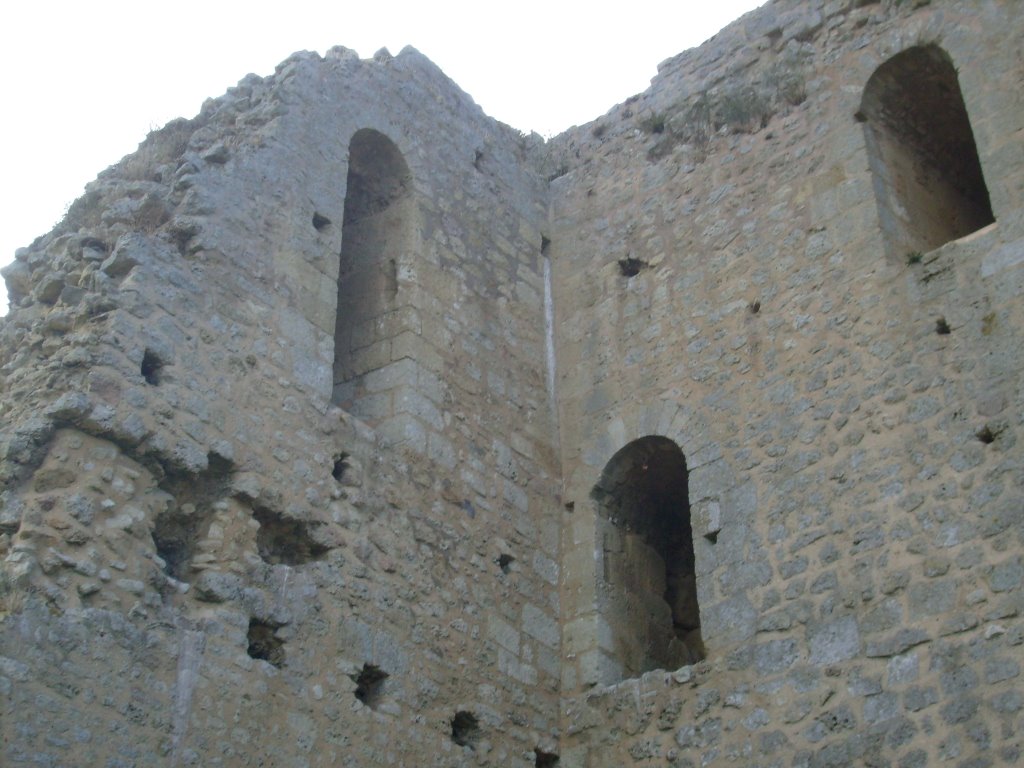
926,172
647,588
376,234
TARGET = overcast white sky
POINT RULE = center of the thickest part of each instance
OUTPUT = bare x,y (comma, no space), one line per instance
85,81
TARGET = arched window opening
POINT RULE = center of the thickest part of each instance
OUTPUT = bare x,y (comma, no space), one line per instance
927,176
376,235
647,586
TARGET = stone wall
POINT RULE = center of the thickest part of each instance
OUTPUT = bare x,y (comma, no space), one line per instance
344,425
848,411
208,562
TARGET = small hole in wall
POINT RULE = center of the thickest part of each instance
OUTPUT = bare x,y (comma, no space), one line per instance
185,521
986,435
942,327
465,729
630,267
370,685
151,367
94,244
174,537
712,536
860,117
544,759
504,562
283,540
341,466
755,307
478,159
570,506
545,245
264,644
320,222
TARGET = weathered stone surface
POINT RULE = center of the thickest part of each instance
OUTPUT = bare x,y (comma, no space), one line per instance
342,425
834,641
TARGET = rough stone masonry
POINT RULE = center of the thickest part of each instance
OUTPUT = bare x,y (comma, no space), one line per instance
343,425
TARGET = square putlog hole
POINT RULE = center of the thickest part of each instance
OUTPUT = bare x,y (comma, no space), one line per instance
370,685
465,729
264,644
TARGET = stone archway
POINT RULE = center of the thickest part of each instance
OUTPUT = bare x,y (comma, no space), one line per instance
377,233
926,172
647,588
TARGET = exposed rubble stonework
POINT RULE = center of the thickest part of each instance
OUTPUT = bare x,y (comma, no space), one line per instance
343,425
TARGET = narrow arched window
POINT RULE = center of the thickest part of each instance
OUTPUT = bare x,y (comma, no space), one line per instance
647,583
926,172
376,235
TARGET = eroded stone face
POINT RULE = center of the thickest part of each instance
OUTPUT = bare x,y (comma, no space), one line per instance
192,529
84,514
311,412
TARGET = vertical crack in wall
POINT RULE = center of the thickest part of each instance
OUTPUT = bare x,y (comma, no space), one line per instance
190,656
549,333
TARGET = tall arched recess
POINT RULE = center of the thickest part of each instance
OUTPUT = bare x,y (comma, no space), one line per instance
926,172
647,589
376,238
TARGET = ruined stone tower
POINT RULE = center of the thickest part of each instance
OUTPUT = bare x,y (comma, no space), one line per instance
343,425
